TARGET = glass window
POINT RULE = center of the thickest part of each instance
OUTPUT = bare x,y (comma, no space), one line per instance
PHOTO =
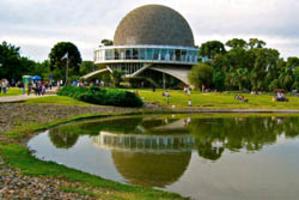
184,53
189,56
178,55
135,54
109,54
122,54
163,54
128,54
194,56
142,54
149,54
171,54
156,54
167,55
116,54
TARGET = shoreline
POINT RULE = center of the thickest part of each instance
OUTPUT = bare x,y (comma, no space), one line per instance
13,141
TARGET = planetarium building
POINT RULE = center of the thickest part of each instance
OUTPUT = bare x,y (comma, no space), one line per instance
151,42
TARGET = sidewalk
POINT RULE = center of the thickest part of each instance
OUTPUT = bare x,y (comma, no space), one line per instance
20,98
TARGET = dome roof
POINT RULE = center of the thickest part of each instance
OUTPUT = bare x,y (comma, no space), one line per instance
154,25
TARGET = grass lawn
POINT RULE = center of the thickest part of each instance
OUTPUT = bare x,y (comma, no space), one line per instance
223,100
212,100
16,155
19,157
12,92
60,100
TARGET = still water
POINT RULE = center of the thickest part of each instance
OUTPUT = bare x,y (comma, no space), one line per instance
202,157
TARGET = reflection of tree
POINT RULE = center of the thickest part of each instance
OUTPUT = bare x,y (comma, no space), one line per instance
212,136
150,169
63,137
67,135
206,150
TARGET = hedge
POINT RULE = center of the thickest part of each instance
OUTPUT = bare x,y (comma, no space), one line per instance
95,95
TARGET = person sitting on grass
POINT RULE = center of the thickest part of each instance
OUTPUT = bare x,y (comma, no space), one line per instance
167,95
280,96
241,98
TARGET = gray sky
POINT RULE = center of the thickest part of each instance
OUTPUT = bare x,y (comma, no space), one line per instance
36,25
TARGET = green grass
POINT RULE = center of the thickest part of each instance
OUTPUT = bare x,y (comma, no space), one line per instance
12,92
212,100
19,157
59,100
16,155
215,100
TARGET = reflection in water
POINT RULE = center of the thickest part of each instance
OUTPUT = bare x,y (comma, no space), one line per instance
151,169
63,137
172,152
210,137
144,143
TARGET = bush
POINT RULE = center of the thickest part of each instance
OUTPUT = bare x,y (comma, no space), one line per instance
113,97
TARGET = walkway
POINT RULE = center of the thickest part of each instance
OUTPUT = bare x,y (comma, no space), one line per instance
20,98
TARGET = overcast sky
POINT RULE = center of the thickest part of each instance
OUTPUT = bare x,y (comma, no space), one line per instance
36,25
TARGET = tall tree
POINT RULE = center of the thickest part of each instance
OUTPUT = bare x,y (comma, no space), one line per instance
236,43
87,67
12,65
256,43
58,63
211,48
264,68
201,75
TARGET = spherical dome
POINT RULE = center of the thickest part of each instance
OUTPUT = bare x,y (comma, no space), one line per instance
154,25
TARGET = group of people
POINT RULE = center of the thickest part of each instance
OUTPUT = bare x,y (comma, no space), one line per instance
38,87
241,98
187,90
280,96
4,86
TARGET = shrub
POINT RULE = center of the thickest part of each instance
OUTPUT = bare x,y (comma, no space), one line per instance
114,97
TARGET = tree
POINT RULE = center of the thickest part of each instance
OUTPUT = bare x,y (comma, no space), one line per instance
296,78
57,63
264,69
117,77
201,75
87,67
13,66
107,42
256,43
236,43
211,48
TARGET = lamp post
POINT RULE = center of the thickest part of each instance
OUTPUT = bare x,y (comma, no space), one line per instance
67,70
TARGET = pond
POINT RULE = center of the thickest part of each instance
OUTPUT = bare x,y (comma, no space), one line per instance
198,156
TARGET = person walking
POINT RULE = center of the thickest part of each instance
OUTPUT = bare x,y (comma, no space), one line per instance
0,86
4,85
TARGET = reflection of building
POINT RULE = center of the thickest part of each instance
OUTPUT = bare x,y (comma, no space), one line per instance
150,39
151,169
145,143
156,154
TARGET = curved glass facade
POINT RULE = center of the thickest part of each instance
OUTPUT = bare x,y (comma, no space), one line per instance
151,54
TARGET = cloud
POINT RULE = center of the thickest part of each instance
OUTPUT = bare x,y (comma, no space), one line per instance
36,25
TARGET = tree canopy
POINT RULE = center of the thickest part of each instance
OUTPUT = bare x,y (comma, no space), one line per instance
106,42
211,48
12,64
249,66
200,75
58,63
